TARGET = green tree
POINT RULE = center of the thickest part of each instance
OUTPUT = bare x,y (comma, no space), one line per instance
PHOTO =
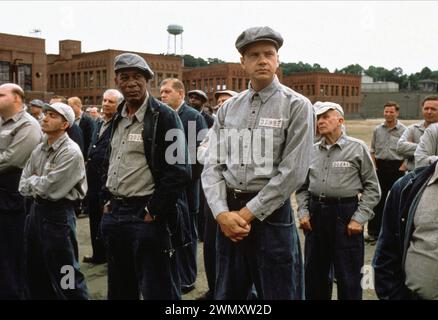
352,69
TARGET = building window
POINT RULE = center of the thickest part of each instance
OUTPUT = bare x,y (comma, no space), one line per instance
104,78
73,80
98,84
168,75
5,72
56,81
233,84
78,80
239,84
62,81
175,76
51,81
86,79
67,80
91,83
25,76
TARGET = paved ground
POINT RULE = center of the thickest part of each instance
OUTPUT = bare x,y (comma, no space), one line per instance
97,280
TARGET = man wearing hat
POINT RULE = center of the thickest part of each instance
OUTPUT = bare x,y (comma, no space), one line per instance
20,133
146,175
197,99
331,213
55,178
258,155
36,109
221,97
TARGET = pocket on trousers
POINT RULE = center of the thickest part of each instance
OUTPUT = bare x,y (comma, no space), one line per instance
278,241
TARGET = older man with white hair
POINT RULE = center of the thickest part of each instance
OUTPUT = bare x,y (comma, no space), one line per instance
331,212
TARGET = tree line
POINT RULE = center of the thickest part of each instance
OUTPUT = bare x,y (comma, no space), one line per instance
405,81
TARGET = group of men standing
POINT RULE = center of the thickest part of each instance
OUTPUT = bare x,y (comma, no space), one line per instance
146,165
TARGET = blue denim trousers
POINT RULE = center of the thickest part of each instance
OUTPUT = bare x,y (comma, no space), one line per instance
51,251
270,258
328,248
11,254
141,259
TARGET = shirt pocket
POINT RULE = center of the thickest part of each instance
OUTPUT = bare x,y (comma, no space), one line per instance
341,177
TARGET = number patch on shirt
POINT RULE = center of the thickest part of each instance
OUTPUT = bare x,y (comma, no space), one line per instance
135,137
271,123
341,164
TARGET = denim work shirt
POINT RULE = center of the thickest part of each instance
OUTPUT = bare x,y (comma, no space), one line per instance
343,170
260,142
55,171
384,141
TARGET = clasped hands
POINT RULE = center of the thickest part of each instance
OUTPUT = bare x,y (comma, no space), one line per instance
235,225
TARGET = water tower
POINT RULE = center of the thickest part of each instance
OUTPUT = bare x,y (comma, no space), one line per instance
175,30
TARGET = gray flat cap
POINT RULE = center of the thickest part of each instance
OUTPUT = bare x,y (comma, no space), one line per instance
256,34
229,92
322,107
198,93
64,110
132,60
36,103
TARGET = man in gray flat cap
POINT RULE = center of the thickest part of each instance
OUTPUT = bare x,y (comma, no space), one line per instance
258,155
222,96
144,181
197,99
54,178
331,214
36,109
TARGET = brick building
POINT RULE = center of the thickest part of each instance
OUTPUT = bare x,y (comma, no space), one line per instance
23,61
221,76
344,89
87,75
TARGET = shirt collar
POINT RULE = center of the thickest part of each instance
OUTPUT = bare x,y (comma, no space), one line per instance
15,117
420,125
267,92
139,115
434,177
342,140
396,127
180,107
55,146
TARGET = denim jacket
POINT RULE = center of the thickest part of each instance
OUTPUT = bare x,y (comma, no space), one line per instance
396,233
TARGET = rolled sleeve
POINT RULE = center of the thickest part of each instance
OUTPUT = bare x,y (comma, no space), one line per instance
406,148
371,190
302,196
426,152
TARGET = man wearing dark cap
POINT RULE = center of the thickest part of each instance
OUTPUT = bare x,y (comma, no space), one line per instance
197,99
54,177
144,181
258,155
20,133
36,109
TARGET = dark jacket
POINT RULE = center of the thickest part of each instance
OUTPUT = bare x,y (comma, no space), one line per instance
96,157
75,133
396,233
170,179
87,125
188,114
208,119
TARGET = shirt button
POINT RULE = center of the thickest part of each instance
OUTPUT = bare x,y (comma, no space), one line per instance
253,112
323,180
241,164
114,173
240,183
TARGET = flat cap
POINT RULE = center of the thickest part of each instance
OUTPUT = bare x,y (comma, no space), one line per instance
36,103
256,34
63,109
323,107
229,92
132,60
199,93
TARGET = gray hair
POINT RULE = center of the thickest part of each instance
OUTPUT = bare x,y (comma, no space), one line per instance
115,93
